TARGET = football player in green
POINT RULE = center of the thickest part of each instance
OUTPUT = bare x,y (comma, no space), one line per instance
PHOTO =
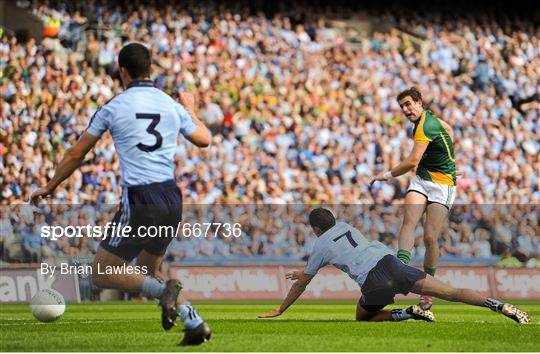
433,189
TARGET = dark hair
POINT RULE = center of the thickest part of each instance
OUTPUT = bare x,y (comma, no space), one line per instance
322,218
413,92
135,58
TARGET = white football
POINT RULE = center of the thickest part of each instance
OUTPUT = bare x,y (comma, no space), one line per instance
47,305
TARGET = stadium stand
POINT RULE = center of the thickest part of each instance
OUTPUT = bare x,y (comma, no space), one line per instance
300,115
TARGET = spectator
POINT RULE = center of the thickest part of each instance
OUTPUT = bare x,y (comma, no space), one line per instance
211,114
34,246
525,249
481,245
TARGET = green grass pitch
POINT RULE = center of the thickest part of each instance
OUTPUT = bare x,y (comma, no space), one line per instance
124,327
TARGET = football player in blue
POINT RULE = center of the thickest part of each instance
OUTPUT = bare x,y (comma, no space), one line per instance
380,275
144,123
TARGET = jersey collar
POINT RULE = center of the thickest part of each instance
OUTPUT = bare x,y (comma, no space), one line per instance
141,83
422,116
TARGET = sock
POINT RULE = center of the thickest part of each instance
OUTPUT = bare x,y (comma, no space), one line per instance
400,315
404,256
430,270
152,288
493,304
189,315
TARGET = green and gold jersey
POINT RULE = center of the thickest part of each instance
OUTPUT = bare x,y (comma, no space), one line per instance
438,162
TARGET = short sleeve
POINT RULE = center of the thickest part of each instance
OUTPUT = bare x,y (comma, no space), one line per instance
315,262
428,129
99,123
419,135
187,125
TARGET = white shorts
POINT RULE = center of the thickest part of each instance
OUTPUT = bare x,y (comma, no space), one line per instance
434,192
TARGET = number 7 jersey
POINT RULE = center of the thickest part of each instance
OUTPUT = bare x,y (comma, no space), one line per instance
344,247
144,123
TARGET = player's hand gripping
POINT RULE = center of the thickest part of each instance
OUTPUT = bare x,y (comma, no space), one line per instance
38,194
378,177
274,313
188,100
293,275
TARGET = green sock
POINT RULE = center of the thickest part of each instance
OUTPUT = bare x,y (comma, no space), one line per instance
430,270
404,256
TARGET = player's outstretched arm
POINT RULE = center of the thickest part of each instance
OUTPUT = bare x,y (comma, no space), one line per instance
410,163
296,290
201,135
72,159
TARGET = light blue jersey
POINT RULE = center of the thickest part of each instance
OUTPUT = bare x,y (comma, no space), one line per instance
144,123
344,247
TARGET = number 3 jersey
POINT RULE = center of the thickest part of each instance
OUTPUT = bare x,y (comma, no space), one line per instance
144,123
344,247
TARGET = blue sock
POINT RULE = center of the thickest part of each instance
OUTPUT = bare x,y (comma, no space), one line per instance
152,288
400,315
189,315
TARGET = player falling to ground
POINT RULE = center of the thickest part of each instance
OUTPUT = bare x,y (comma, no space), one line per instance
433,188
144,123
380,275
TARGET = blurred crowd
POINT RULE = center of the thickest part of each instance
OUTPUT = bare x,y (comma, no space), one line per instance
297,115
222,232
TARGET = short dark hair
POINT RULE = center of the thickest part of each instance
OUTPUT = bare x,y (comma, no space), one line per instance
135,58
322,218
413,92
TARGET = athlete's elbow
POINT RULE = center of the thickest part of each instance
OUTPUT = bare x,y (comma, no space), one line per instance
201,139
205,142
202,143
412,163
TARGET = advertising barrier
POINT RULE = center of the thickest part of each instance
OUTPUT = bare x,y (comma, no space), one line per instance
268,282
20,284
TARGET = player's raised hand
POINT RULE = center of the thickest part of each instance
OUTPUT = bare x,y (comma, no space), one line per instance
188,100
36,196
293,275
378,177
274,313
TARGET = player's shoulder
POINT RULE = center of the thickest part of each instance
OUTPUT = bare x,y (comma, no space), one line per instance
342,225
339,228
431,123
430,119
111,105
166,97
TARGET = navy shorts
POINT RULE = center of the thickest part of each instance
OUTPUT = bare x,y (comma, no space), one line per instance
388,278
155,204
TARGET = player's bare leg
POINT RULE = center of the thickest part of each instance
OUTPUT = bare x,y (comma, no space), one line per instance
433,287
436,215
415,204
152,287
153,264
373,316
123,282
414,312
